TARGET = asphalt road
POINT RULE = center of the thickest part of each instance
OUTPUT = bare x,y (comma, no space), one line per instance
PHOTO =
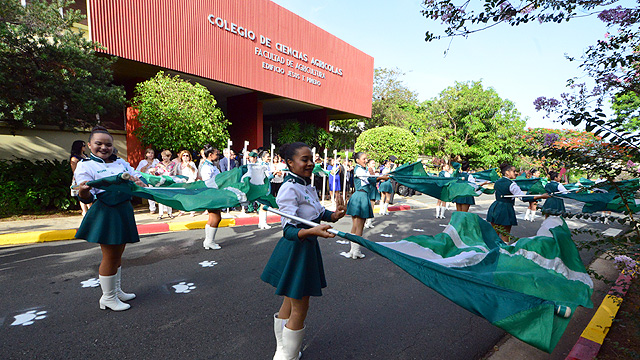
370,310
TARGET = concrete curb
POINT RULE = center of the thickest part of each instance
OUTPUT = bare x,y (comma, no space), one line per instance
34,237
590,342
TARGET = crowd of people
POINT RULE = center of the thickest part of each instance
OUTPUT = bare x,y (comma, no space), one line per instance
295,267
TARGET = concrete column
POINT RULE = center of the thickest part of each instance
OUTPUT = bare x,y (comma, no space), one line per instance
245,114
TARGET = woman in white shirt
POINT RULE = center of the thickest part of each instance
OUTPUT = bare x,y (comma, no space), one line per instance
144,166
187,168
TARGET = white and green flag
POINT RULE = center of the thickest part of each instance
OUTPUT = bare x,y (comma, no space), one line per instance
240,185
520,288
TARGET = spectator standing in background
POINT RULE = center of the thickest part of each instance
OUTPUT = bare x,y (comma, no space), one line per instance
226,163
165,167
77,154
149,162
186,168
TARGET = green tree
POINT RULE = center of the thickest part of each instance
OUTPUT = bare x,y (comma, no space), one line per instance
381,142
626,106
393,103
345,132
306,133
467,121
49,73
175,114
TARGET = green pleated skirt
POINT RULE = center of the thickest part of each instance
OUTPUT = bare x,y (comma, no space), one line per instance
502,213
359,205
386,187
295,268
109,224
469,200
553,206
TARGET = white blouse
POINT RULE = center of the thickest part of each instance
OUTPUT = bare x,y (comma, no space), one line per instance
88,170
299,200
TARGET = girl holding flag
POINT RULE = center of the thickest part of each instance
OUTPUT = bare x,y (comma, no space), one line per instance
374,194
386,188
209,172
501,214
295,268
441,206
554,206
530,214
359,205
110,221
463,203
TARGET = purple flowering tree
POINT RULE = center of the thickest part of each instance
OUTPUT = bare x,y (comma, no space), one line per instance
612,64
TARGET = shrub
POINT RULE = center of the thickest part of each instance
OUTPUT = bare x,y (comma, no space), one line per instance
32,187
381,142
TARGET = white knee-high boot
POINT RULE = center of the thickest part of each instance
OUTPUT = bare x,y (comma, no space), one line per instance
109,298
385,208
437,211
209,235
262,220
368,223
278,325
123,296
355,251
292,341
526,214
442,209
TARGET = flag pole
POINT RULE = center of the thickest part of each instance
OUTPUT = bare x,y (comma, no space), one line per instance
301,220
229,143
313,155
244,152
324,181
335,164
344,174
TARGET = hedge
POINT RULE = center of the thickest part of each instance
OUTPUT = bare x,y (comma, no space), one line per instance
381,142
34,187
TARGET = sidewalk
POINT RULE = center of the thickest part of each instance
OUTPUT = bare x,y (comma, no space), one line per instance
20,232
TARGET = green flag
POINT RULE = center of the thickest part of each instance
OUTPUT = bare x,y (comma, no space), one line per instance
446,189
228,189
487,175
518,287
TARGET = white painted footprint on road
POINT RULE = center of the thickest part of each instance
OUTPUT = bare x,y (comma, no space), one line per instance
183,287
386,235
419,230
93,282
29,317
208,263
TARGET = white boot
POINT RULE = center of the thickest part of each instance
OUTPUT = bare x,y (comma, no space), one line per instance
438,212
385,208
355,251
262,220
369,223
532,216
526,214
278,325
209,235
442,209
109,298
123,296
292,341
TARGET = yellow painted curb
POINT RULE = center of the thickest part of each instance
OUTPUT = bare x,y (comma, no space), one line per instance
37,237
601,322
181,226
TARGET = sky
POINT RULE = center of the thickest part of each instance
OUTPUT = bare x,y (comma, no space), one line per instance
520,63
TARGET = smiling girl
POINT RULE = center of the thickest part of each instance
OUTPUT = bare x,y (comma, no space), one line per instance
109,222
295,268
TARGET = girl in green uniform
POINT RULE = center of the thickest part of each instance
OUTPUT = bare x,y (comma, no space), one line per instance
501,214
109,222
386,188
554,206
295,268
463,203
359,205
533,204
